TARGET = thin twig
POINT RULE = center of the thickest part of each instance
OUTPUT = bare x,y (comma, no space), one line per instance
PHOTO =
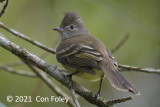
119,100
14,64
4,8
19,72
139,69
40,45
74,97
125,38
50,84
52,71
20,63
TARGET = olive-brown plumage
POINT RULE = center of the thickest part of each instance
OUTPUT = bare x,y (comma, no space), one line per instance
79,51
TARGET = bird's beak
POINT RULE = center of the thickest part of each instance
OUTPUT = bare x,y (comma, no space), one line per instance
58,29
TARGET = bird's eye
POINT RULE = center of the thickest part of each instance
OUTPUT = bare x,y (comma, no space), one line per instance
72,26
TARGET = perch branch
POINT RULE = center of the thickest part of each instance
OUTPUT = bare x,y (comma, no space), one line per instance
40,45
52,71
138,69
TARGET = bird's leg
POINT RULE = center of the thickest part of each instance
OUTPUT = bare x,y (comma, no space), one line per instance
99,91
70,75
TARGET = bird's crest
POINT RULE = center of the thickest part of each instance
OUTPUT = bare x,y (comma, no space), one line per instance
71,18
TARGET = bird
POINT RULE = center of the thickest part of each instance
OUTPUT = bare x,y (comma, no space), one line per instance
85,56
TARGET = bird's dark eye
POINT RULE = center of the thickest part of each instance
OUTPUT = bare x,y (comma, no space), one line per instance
72,26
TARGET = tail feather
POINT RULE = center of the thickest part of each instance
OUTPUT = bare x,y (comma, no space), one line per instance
117,80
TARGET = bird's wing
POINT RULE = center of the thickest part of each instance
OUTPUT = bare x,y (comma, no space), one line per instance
81,57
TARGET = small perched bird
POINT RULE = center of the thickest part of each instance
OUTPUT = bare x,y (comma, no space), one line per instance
85,56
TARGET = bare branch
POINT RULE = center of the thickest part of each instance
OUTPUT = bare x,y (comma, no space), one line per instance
4,8
40,45
19,72
52,71
14,64
125,38
50,84
138,69
119,100
74,97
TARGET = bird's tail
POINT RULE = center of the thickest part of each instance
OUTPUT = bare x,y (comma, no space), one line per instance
116,79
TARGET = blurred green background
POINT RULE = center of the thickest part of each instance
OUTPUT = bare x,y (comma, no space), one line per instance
108,20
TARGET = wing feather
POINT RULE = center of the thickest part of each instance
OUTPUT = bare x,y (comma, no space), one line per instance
82,57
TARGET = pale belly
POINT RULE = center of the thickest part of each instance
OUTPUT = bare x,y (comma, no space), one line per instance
85,75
